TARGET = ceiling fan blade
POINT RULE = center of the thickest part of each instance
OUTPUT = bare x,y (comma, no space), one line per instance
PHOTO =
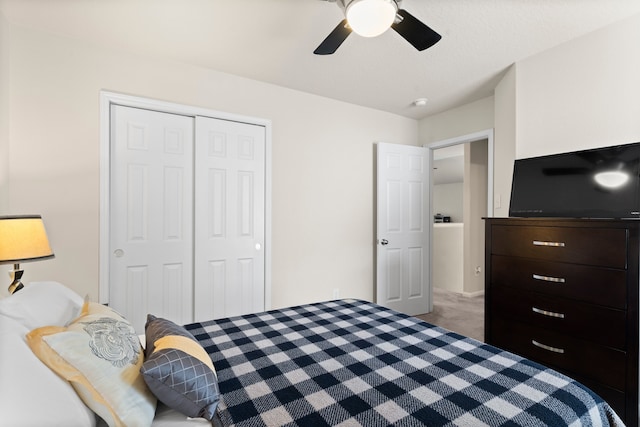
415,31
334,40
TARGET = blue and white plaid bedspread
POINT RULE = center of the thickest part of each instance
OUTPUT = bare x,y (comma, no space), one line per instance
354,363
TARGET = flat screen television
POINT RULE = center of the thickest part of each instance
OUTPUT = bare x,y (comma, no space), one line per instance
597,183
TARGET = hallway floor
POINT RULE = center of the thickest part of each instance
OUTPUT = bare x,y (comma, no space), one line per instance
458,313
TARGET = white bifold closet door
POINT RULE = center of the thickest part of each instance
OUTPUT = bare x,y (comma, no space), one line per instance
186,216
229,218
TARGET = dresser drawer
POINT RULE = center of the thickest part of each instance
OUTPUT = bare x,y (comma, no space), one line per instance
599,363
598,324
606,247
597,285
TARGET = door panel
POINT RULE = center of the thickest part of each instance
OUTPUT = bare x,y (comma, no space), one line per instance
229,218
151,207
403,235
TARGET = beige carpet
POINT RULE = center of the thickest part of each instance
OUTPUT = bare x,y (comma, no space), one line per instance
458,313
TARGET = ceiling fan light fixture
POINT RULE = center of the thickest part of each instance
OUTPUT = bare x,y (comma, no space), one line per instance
370,18
420,102
612,179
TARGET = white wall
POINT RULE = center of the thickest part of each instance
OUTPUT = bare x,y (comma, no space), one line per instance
448,257
447,200
4,117
323,161
466,119
475,208
504,142
582,94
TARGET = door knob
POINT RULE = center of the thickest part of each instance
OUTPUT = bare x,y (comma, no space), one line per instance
384,242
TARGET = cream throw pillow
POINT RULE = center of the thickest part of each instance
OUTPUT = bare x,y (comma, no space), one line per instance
100,354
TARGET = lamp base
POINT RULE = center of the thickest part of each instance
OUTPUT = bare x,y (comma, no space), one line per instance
15,275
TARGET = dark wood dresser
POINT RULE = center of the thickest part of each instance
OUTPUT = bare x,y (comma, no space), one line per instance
564,293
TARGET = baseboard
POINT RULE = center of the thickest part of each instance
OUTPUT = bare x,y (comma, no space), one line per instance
464,294
473,294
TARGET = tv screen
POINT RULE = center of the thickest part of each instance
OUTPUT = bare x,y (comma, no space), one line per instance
598,183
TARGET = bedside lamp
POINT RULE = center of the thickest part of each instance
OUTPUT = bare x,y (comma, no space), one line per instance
22,239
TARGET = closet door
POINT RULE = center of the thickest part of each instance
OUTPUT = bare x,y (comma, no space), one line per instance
151,215
229,218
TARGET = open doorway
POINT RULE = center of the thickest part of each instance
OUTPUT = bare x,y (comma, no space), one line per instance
461,193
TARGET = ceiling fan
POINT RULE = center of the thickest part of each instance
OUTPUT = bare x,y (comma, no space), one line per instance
370,18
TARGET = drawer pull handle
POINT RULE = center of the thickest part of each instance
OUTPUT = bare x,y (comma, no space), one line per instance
547,313
549,278
552,244
547,347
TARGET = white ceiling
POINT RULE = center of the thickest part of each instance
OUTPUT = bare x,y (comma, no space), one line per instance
273,40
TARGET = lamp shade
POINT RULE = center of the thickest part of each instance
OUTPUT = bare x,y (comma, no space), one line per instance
23,238
370,18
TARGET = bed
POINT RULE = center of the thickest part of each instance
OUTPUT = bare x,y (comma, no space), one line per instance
355,363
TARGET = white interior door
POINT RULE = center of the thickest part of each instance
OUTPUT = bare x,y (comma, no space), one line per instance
229,218
402,229
151,210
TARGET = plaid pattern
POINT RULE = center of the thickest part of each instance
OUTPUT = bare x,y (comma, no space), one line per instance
354,363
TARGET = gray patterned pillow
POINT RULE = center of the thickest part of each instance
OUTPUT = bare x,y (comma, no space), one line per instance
178,370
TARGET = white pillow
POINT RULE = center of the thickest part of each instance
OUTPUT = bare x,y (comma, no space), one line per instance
30,393
42,304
